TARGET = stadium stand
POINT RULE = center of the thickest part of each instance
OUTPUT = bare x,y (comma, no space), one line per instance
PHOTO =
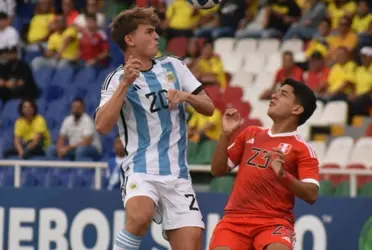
250,64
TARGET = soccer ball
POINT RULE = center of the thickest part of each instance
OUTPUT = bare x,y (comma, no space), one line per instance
204,4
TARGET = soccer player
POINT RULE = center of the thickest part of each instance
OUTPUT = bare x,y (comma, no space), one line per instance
275,165
146,98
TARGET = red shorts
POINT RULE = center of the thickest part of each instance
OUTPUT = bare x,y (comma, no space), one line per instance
248,233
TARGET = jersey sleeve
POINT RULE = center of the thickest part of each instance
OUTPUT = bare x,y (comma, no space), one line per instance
187,80
108,87
236,149
308,165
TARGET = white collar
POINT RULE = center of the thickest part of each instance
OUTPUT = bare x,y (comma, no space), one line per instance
294,133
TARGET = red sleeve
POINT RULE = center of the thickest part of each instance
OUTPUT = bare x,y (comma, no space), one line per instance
300,75
278,76
308,165
236,149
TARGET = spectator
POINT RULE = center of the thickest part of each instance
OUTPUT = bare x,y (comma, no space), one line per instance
8,7
8,34
40,27
193,53
346,37
319,42
228,17
289,70
361,98
31,132
210,67
69,11
18,80
279,16
92,8
338,9
318,72
205,128
363,18
113,171
94,45
78,138
339,77
63,47
309,22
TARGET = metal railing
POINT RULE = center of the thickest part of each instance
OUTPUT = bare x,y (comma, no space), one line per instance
98,166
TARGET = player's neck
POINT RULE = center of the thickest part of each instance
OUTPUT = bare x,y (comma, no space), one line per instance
280,127
146,62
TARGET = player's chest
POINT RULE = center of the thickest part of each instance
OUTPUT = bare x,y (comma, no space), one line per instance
259,152
150,89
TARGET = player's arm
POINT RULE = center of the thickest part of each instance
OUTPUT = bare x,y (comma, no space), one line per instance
192,91
227,157
112,100
307,186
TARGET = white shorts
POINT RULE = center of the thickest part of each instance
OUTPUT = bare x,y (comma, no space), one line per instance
175,200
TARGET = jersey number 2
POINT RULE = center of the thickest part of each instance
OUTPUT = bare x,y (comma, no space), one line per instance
263,154
192,199
154,106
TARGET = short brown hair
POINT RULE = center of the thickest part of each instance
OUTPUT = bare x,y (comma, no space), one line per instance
127,22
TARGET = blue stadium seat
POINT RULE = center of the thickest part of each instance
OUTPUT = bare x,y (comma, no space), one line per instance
53,92
58,109
6,178
85,77
63,77
107,145
41,105
28,179
43,77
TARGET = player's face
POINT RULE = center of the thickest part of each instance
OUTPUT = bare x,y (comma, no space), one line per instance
283,104
145,40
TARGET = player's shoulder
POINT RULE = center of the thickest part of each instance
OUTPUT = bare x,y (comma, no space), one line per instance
254,130
304,147
113,78
174,60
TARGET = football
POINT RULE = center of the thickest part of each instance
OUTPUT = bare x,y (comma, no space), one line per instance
204,4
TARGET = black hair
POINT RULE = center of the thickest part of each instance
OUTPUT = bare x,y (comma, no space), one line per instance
78,99
3,15
91,16
316,55
305,97
328,21
33,104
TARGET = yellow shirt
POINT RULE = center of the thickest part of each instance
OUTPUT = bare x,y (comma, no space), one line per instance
199,121
316,45
363,80
337,13
39,27
55,43
361,24
180,15
339,74
350,41
28,130
213,65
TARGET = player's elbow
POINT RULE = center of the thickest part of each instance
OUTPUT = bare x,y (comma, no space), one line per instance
219,171
312,198
102,128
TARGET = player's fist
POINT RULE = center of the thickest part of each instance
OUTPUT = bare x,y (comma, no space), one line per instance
176,97
277,162
131,70
231,121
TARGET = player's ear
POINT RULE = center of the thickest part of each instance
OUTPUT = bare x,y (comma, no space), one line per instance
298,109
129,40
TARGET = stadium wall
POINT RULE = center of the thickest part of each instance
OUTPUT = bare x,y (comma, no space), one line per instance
46,219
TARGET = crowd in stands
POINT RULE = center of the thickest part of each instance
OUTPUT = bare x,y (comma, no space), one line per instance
337,38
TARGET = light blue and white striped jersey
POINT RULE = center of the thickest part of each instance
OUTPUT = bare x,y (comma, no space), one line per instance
154,136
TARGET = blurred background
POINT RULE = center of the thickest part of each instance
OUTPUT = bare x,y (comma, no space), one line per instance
56,54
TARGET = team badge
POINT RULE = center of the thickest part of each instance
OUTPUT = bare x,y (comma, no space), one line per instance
133,185
170,77
285,148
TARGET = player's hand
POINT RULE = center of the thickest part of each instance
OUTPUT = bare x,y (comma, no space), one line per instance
176,97
231,121
131,70
277,162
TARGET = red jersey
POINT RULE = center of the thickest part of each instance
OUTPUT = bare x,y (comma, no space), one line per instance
257,191
92,45
296,74
314,79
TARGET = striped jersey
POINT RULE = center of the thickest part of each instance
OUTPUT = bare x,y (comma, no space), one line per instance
155,137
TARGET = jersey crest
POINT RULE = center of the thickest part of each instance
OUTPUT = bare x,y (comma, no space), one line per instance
285,148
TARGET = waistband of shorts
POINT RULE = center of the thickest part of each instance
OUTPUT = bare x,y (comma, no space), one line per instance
248,215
